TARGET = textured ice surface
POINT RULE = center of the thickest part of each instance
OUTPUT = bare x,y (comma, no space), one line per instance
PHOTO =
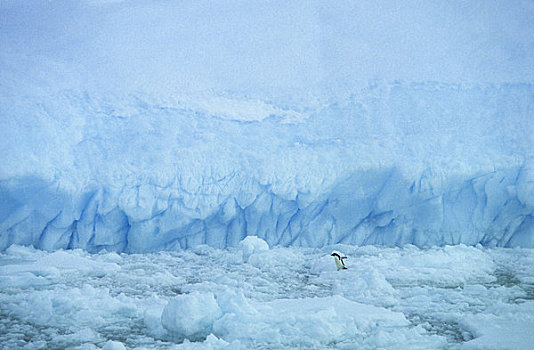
191,316
422,164
397,164
454,297
152,125
251,245
113,345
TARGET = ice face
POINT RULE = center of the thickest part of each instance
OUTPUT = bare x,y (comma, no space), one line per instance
161,143
451,167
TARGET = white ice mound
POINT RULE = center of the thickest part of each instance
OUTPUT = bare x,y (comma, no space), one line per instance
251,245
113,345
322,264
191,316
77,262
302,323
211,343
312,323
61,262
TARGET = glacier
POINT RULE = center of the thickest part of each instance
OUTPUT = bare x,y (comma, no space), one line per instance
146,126
424,164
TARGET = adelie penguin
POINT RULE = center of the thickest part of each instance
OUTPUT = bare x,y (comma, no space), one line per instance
339,257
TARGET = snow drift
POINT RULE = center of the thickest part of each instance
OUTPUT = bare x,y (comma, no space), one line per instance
147,125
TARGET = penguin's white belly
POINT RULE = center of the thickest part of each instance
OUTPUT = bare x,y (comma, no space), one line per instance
339,264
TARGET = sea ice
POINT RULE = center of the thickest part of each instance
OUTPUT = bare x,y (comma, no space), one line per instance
251,245
191,315
286,298
113,345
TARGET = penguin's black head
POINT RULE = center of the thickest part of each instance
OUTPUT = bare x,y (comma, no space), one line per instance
335,254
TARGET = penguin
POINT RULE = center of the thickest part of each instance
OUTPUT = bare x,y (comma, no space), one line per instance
339,257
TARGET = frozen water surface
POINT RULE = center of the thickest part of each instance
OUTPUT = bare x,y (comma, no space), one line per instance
179,128
451,297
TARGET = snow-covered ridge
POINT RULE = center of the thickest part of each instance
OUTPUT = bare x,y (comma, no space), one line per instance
399,163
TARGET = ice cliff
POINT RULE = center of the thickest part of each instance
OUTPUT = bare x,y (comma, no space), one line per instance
155,129
424,164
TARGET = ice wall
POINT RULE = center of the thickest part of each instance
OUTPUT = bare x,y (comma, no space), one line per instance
148,125
403,163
